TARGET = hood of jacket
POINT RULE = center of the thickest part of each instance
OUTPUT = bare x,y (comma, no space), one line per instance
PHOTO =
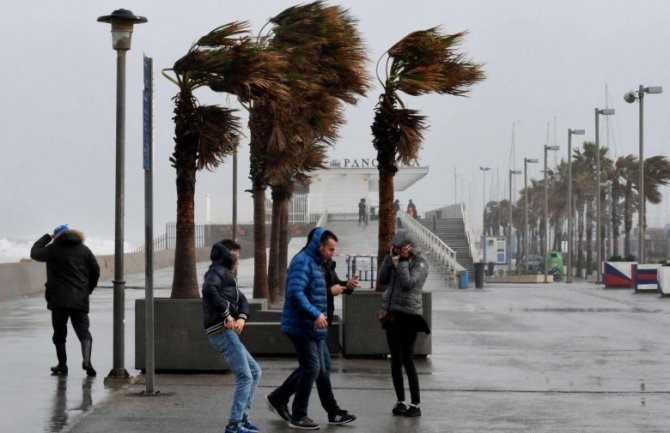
402,238
312,247
69,237
220,255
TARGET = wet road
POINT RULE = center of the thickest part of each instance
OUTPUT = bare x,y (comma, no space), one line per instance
33,401
528,358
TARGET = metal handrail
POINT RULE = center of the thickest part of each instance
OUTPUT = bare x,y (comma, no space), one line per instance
323,219
445,255
471,245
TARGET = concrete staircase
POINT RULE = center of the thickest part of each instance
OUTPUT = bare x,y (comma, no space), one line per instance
452,232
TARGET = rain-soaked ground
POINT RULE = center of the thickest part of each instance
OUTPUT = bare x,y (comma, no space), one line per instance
31,400
509,358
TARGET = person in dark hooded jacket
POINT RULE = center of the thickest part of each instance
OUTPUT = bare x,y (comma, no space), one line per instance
72,274
225,311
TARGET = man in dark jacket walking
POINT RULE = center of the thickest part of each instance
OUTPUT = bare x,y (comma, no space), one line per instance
72,274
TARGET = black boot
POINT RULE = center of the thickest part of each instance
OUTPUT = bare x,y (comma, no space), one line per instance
61,368
86,354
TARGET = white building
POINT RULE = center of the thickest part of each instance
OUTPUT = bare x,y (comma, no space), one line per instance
339,188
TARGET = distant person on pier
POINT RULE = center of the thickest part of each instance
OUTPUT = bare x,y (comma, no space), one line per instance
72,274
362,212
396,206
411,209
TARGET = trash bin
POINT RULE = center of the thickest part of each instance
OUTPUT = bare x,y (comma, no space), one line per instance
463,280
491,269
479,275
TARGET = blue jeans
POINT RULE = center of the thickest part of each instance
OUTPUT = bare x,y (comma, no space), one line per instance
323,384
244,366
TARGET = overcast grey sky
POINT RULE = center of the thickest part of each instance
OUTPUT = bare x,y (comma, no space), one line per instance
547,63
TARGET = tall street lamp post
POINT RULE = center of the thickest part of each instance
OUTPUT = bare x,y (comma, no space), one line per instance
545,241
509,223
122,22
526,244
631,97
599,215
484,170
571,132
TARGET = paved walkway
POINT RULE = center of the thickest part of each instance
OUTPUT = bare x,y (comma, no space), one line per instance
531,358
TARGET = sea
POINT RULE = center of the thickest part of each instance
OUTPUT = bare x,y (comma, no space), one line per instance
15,250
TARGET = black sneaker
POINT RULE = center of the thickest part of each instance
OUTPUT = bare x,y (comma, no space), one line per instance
400,408
413,411
59,370
341,417
304,423
279,409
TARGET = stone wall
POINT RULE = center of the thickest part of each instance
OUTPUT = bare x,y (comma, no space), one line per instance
28,277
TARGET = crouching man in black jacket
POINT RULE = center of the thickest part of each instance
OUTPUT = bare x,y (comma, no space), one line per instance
72,274
226,311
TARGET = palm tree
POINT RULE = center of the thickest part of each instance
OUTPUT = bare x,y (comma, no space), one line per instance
619,177
558,203
424,61
628,166
226,60
204,135
326,57
584,190
657,174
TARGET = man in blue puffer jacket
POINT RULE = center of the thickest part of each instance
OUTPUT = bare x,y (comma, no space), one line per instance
304,320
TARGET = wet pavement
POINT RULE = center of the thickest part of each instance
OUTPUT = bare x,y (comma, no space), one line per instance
507,358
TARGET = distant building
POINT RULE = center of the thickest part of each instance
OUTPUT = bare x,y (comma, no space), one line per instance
339,187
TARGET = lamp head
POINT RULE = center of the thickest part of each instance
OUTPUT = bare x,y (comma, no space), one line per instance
606,111
577,132
484,168
531,160
630,97
552,147
653,89
122,21
515,172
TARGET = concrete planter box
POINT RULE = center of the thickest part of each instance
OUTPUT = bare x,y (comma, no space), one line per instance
645,278
180,342
362,335
664,280
519,279
618,274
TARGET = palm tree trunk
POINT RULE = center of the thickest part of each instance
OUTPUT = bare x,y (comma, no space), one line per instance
260,242
282,263
628,218
580,237
589,238
615,221
184,279
386,213
273,259
558,235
